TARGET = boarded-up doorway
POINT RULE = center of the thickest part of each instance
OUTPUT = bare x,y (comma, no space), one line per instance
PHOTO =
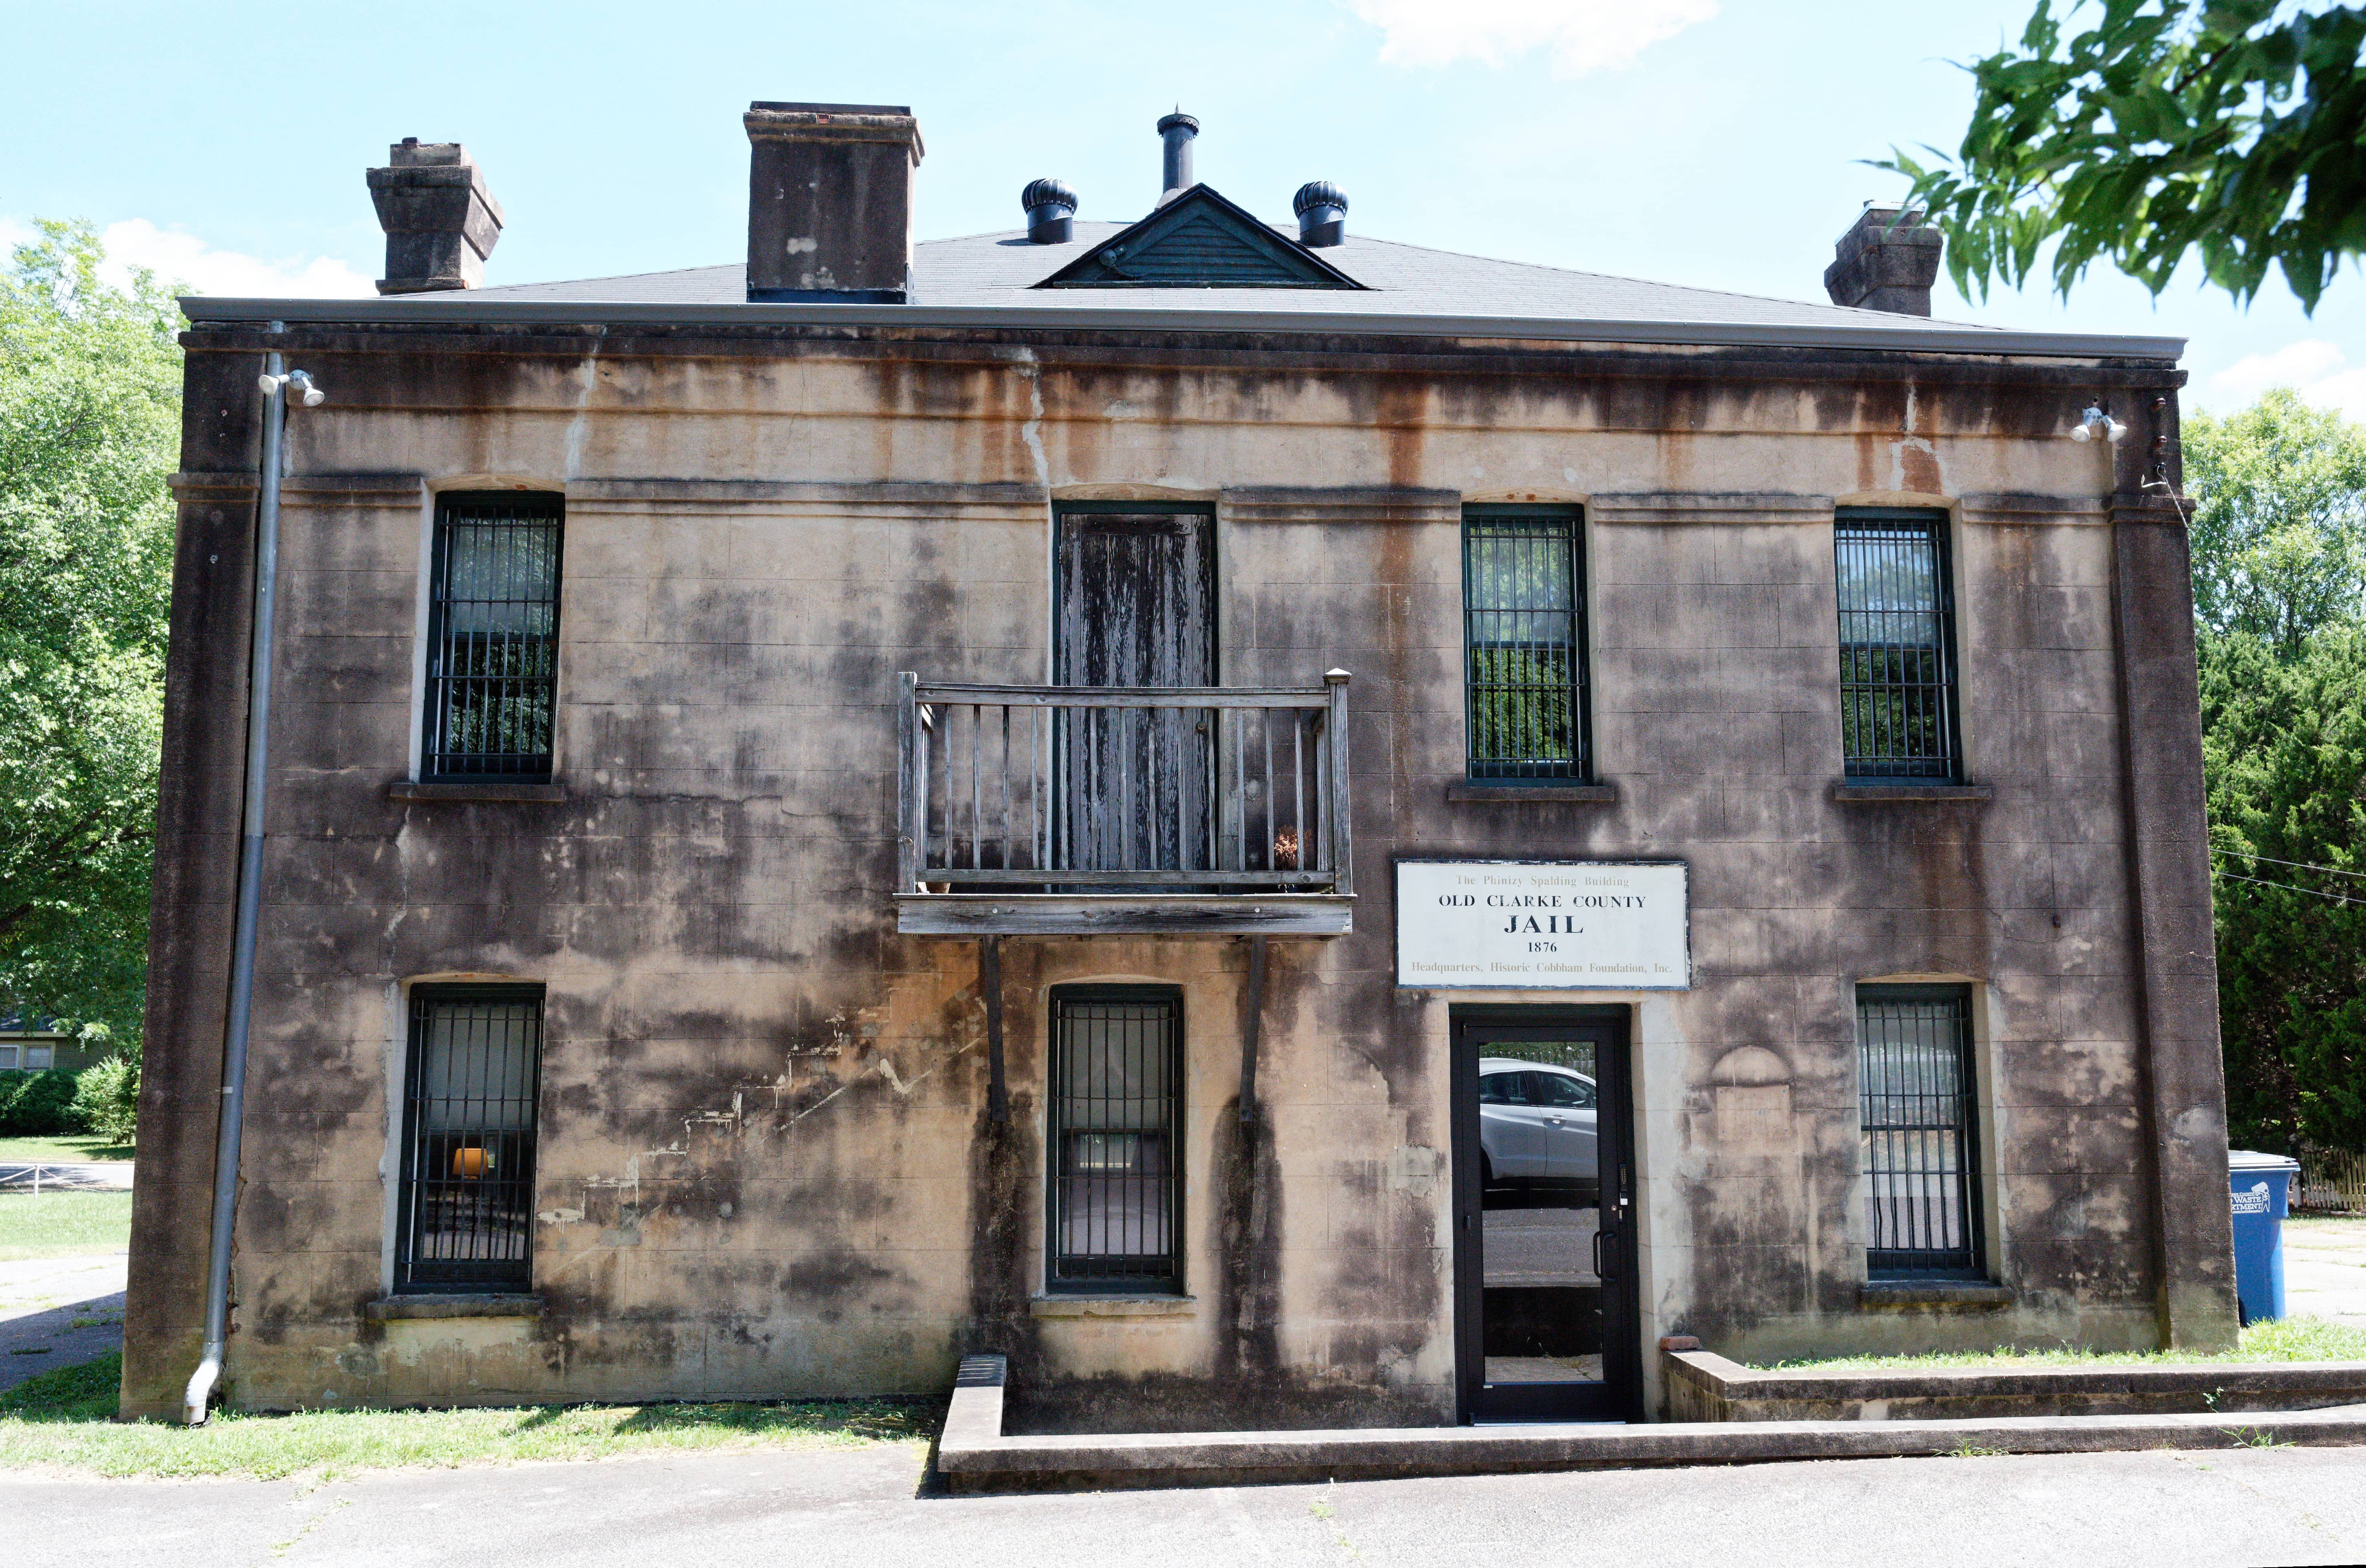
1134,605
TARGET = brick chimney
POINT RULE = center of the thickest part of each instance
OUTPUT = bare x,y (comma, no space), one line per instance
440,221
829,202
1879,267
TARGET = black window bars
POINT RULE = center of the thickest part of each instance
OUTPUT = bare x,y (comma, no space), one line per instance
1898,645
1917,1095
1116,1112
467,1201
1523,620
493,638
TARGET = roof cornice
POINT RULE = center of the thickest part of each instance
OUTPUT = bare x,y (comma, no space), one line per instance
459,310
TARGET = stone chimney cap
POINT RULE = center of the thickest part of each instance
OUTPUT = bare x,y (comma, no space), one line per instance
1886,261
412,153
440,221
833,122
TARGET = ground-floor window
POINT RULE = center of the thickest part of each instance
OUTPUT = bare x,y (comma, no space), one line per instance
1919,1098
467,1209
1115,1106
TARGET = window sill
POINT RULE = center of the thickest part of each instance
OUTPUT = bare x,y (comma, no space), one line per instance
473,789
1114,1306
390,1308
1570,793
1864,792
1974,1294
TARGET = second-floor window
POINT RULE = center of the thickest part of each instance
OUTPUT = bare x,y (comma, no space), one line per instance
1898,645
492,636
1523,638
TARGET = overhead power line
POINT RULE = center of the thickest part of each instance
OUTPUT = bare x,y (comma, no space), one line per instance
2295,864
2336,898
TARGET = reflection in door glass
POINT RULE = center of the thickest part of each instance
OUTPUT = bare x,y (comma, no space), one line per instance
1540,1200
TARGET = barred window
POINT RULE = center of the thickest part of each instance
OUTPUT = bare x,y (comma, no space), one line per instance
1898,645
1918,1099
1524,616
467,1205
1117,1105
492,639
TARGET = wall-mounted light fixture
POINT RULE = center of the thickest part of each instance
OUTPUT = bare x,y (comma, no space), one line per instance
298,384
2094,421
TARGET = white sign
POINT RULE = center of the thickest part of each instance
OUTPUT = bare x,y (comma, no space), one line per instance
1527,925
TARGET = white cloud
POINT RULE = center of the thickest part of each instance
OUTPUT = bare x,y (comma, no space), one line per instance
181,259
1584,35
178,258
2316,369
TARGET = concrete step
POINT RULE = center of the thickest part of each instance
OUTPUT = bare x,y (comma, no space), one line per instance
974,1455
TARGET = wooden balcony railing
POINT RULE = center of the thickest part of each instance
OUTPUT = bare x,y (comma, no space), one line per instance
1037,809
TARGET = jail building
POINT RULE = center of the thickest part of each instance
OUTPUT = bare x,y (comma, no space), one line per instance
1284,828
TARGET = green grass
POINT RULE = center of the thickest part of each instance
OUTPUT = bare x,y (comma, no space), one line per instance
62,1224
62,1418
2282,1339
69,1150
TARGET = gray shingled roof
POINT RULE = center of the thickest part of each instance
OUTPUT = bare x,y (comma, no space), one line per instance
983,271
987,280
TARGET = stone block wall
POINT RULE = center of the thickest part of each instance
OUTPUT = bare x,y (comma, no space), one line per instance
766,1167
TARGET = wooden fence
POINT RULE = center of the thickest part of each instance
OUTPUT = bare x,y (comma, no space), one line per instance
2331,1182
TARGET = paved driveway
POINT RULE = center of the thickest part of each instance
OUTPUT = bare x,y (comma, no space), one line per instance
55,1311
94,1176
2240,1507
2325,1269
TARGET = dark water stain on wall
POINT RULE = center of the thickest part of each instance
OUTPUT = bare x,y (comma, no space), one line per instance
1003,1159
1247,1220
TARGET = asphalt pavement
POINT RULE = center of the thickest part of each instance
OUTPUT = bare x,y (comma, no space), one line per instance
70,1175
59,1311
2325,1269
2243,1508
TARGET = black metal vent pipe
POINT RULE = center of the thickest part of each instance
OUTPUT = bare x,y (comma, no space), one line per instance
1177,130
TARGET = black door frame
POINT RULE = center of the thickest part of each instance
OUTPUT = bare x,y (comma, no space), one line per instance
1619,1396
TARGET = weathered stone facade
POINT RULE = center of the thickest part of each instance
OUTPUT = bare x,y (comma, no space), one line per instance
766,1165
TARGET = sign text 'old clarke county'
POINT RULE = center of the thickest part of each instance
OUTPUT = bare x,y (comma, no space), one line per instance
1526,925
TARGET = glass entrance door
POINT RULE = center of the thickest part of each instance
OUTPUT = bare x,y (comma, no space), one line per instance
1544,1194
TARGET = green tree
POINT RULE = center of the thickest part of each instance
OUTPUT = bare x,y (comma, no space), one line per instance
2230,129
2279,525
89,428
2284,756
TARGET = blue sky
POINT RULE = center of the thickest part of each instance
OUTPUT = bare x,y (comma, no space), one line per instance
1710,143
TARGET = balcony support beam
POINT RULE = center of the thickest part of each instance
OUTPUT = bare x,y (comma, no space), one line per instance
976,915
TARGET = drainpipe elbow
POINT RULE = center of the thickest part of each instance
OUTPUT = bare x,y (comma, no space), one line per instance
200,1390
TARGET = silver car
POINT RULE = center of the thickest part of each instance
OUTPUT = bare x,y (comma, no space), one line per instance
1536,1129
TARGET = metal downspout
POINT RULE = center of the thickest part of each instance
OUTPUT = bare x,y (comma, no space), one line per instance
250,898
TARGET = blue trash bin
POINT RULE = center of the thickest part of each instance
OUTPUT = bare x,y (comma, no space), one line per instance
2261,1185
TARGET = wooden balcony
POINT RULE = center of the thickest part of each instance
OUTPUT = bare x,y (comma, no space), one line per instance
1123,811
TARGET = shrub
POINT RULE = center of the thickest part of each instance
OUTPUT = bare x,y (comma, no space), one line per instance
38,1104
106,1100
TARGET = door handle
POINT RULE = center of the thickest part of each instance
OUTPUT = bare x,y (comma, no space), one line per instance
1599,1272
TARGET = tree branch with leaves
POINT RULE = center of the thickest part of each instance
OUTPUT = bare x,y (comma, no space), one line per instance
89,429
2230,130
